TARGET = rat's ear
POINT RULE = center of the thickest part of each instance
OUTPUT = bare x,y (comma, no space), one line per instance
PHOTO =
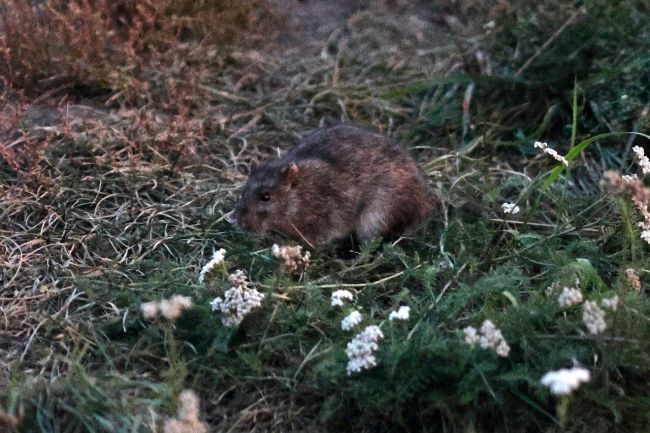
290,174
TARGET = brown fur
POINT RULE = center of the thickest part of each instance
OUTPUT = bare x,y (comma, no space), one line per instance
337,182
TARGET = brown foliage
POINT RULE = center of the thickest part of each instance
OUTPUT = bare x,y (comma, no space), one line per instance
105,44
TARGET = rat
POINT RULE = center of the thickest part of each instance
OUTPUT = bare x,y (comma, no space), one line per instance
337,182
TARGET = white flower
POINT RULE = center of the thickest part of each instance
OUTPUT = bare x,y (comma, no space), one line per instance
403,313
642,160
471,336
187,420
339,296
217,258
291,258
502,349
645,235
510,208
490,337
149,310
565,381
351,320
238,301
629,179
552,152
238,279
611,303
173,307
360,350
570,296
593,317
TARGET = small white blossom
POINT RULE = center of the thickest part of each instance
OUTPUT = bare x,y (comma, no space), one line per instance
490,337
510,208
593,317
149,310
173,307
238,301
217,258
642,160
471,336
552,152
403,313
238,279
611,303
291,258
502,349
351,320
565,381
570,296
360,350
629,179
645,234
339,296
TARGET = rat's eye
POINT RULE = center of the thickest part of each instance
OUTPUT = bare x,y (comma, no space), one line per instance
265,196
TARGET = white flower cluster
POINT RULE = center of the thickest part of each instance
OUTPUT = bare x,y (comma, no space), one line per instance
611,303
187,419
360,350
552,152
351,320
403,313
490,337
339,296
565,381
570,296
291,258
510,208
170,309
643,160
629,178
217,258
593,317
238,301
633,279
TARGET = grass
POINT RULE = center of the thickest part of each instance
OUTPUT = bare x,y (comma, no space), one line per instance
114,192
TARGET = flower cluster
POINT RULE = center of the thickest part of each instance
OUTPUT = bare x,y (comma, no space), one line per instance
552,152
170,309
565,381
403,313
642,160
611,303
639,194
633,279
570,296
490,337
217,259
360,350
187,419
593,317
510,208
351,320
339,296
291,258
238,301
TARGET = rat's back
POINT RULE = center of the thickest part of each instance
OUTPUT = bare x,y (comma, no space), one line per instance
337,182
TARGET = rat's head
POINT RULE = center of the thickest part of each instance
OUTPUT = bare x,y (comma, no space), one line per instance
265,199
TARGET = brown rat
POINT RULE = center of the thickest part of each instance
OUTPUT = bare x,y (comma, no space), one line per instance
336,182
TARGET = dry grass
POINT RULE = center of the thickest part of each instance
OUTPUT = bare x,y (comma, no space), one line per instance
122,152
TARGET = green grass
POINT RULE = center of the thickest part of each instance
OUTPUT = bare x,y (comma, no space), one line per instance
125,207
